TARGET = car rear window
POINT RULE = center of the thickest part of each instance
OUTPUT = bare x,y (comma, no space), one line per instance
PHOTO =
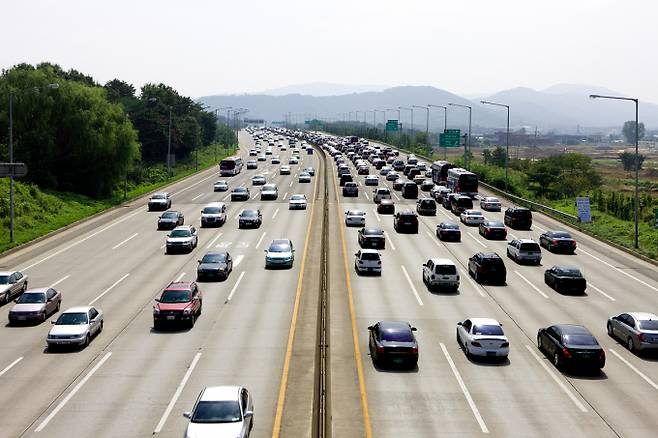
397,336
490,330
649,324
493,263
569,272
530,247
249,213
450,226
369,256
526,214
445,269
561,235
579,340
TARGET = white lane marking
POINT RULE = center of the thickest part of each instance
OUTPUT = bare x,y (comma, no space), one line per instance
473,283
177,394
295,175
10,366
390,241
432,237
124,241
531,285
261,239
600,291
180,277
80,241
275,213
445,214
360,183
368,197
237,216
163,245
70,395
476,239
226,197
290,183
413,288
620,270
254,197
635,370
223,244
197,196
60,280
513,236
237,260
374,210
462,385
396,196
235,287
559,382
285,196
539,228
108,289
193,185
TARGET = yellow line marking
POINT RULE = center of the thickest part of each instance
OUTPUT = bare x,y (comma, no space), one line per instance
276,429
355,336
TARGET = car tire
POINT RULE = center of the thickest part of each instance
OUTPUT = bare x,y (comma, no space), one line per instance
7,297
59,303
44,316
630,344
557,361
540,345
87,341
100,329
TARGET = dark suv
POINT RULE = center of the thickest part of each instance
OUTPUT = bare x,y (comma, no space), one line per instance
426,206
487,267
518,218
350,189
410,190
405,220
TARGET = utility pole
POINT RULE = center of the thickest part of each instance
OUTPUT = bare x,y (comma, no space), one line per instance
486,102
445,123
467,144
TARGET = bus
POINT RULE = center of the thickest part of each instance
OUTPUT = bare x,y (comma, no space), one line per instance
230,166
463,182
440,172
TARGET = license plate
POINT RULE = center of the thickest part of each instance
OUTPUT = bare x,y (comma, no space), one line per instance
171,317
21,318
398,360
491,353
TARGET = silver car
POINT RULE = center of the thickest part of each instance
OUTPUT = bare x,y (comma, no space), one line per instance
159,201
12,283
182,238
35,305
75,326
638,330
220,186
221,411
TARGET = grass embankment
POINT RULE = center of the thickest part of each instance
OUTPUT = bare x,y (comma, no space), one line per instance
38,212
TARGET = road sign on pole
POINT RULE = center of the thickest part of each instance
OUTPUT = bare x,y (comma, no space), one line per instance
13,169
392,125
583,207
449,138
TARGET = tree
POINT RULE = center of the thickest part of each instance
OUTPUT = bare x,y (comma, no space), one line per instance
563,175
629,131
628,160
495,157
118,90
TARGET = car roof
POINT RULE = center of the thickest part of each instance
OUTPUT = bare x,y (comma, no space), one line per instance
572,329
526,241
369,251
490,255
179,285
373,230
7,272
279,241
212,253
214,204
78,309
183,227
39,290
484,321
220,393
491,198
394,326
643,316
438,261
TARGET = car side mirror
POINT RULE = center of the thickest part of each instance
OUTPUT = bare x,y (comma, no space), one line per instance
413,329
187,414
371,327
157,300
198,261
248,414
53,322
459,323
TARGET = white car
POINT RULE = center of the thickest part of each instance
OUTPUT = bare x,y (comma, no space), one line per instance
368,260
293,160
284,170
262,158
490,204
371,180
213,214
472,217
159,201
482,337
355,218
441,273
220,186
75,326
12,283
380,193
182,238
269,191
392,176
521,250
252,152
297,202
258,180
276,160
304,177
385,170
221,411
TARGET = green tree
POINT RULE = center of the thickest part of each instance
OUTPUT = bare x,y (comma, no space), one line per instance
629,131
628,160
495,157
563,175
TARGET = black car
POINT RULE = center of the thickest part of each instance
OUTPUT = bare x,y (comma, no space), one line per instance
393,343
558,241
518,218
386,206
565,279
170,220
240,194
405,220
409,190
372,238
426,206
493,230
446,202
487,267
250,218
460,203
448,231
345,178
571,345
350,189
214,265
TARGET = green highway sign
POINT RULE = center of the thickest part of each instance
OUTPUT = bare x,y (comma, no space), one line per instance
278,123
392,125
449,138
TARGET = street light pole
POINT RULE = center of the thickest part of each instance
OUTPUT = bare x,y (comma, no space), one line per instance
636,242
445,123
412,117
486,102
467,147
427,124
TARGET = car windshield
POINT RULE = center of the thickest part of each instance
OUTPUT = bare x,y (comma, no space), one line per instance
4,279
489,330
159,196
450,226
561,235
279,247
397,336
249,213
579,340
649,324
181,233
369,256
169,215
569,272
211,210
217,412
214,258
72,319
297,198
32,298
175,296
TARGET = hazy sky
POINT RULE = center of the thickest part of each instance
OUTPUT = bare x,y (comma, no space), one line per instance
210,47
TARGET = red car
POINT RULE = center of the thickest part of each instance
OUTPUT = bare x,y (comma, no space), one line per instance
179,303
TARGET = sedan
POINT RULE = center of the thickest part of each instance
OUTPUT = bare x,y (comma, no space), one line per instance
221,411
35,305
181,238
279,253
252,164
393,342
220,186
493,230
427,185
284,170
304,177
258,180
250,218
490,204
371,180
309,170
12,283
565,279
482,337
170,220
471,217
75,326
215,265
240,194
355,218
297,202
638,330
398,184
276,160
262,158
293,160
386,206
448,231
392,176
372,238
558,241
269,191
571,345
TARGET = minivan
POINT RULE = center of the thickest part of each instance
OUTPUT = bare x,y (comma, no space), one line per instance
459,204
518,218
410,190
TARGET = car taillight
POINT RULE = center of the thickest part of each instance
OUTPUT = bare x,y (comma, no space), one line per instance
566,353
476,344
414,350
573,243
380,349
554,242
504,344
640,337
602,354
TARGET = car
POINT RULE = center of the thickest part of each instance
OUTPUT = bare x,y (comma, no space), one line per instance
181,238
350,189
262,158
565,279
385,170
380,193
284,170
368,260
279,253
440,273
159,201
220,186
268,151
438,192
213,214
355,218
446,202
405,221
221,411
418,179
35,305
392,176
363,170
571,346
558,241
493,230
170,220
372,238
426,206
345,178
309,170
398,184
258,180
250,218
522,250
637,330
75,327
252,164
297,202
393,343
490,203
483,337
426,185
371,180
240,194
409,190
214,264
276,160
386,206
471,217
252,152
448,231
460,203
304,177
293,160
12,283
269,191
180,302
518,218
487,267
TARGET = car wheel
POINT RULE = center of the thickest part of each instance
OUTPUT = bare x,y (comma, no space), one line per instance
556,360
24,287
100,329
7,297
611,332
44,316
87,340
459,341
630,344
59,303
540,345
